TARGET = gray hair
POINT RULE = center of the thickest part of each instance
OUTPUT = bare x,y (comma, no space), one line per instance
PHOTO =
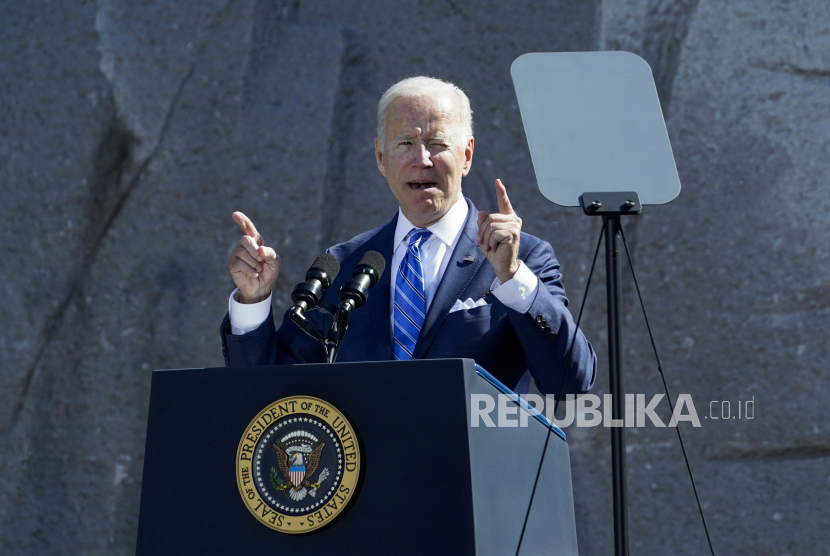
421,86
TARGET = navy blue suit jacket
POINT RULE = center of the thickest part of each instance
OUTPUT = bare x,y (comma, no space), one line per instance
501,340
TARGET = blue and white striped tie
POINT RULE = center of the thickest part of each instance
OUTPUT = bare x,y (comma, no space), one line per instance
410,297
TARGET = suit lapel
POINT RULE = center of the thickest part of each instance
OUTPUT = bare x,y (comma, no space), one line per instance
457,276
376,312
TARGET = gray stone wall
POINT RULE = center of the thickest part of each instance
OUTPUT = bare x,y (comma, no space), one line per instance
130,132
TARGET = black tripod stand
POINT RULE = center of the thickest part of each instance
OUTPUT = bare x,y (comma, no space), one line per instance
611,206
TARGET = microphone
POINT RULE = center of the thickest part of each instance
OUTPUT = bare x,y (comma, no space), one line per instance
308,295
364,276
353,295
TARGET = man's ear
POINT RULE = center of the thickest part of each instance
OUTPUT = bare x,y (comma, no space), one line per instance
468,155
379,157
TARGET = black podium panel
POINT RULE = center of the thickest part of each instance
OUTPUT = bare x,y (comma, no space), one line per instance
430,483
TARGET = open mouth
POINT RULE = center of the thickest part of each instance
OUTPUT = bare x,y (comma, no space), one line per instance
420,184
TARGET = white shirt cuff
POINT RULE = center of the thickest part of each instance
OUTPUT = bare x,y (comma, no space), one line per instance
246,317
519,292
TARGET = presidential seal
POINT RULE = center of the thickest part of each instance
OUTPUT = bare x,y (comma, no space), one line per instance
298,464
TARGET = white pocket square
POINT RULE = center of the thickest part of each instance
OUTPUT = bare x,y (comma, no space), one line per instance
466,305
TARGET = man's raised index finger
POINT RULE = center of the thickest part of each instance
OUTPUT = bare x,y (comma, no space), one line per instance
504,203
245,224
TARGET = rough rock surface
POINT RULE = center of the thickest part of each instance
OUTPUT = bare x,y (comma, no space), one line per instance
131,131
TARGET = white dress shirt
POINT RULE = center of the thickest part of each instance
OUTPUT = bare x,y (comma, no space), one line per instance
517,293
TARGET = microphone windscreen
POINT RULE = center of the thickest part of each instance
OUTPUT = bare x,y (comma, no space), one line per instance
373,260
328,263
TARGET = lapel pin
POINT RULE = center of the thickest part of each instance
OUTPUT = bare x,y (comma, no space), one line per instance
469,258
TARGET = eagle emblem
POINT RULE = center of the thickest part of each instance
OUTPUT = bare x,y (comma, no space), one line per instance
298,456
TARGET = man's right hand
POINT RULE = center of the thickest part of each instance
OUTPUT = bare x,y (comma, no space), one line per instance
253,265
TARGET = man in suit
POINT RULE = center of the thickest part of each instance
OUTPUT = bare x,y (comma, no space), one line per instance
458,282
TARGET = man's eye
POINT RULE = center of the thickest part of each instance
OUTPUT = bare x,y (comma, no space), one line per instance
405,143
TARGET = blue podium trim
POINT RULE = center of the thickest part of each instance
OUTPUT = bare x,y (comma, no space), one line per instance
518,400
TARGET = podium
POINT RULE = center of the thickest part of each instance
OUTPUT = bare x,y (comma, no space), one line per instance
429,483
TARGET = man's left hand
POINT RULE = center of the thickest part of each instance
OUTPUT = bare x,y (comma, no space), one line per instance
498,236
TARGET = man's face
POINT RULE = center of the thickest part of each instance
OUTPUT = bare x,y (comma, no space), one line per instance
424,157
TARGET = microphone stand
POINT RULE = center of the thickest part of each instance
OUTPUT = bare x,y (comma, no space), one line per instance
297,315
337,330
